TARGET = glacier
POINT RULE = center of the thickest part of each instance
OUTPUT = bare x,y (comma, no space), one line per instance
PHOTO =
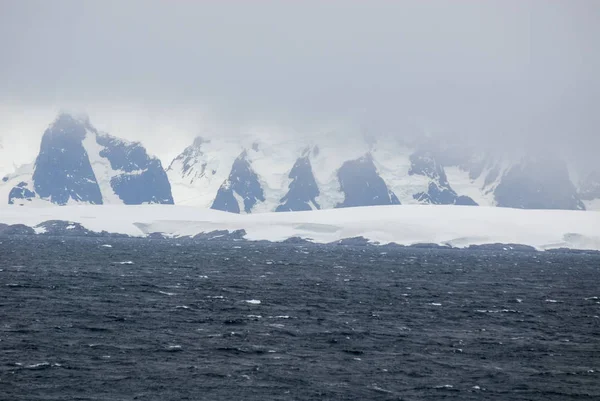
450,225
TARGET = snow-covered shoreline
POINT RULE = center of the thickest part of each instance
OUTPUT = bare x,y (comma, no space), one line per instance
457,226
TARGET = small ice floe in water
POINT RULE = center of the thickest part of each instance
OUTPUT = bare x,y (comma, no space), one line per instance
476,388
282,317
42,365
552,301
174,348
586,299
182,307
202,276
167,293
435,304
380,390
445,386
106,246
253,302
254,316
519,300
127,262
215,296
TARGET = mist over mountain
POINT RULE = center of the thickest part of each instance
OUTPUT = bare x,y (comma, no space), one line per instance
164,74
406,102
77,163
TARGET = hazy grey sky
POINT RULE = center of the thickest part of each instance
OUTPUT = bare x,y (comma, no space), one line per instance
492,69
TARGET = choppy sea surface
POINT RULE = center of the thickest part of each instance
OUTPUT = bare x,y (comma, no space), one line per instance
107,319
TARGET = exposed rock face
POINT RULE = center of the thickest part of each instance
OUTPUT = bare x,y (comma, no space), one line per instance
20,192
62,169
439,191
538,183
302,190
141,178
76,163
362,185
242,186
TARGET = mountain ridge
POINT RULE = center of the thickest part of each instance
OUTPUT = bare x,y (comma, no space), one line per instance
78,164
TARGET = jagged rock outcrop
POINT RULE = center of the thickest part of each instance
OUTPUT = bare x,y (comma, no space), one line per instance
141,178
62,169
538,183
242,187
303,189
77,163
439,191
362,186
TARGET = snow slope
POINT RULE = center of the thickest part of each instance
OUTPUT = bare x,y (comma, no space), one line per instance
459,226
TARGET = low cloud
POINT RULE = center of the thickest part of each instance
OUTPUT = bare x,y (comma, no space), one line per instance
501,74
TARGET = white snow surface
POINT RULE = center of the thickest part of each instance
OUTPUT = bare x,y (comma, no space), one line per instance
102,168
462,184
592,205
458,226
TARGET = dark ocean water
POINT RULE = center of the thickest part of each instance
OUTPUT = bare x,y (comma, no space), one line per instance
157,320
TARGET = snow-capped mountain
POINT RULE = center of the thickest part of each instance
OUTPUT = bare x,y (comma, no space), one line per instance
273,175
78,164
258,172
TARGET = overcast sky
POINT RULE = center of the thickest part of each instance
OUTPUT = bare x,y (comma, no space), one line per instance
495,70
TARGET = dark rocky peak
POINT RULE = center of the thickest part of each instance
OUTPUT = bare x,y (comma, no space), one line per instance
62,169
303,189
362,186
243,182
538,183
66,128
